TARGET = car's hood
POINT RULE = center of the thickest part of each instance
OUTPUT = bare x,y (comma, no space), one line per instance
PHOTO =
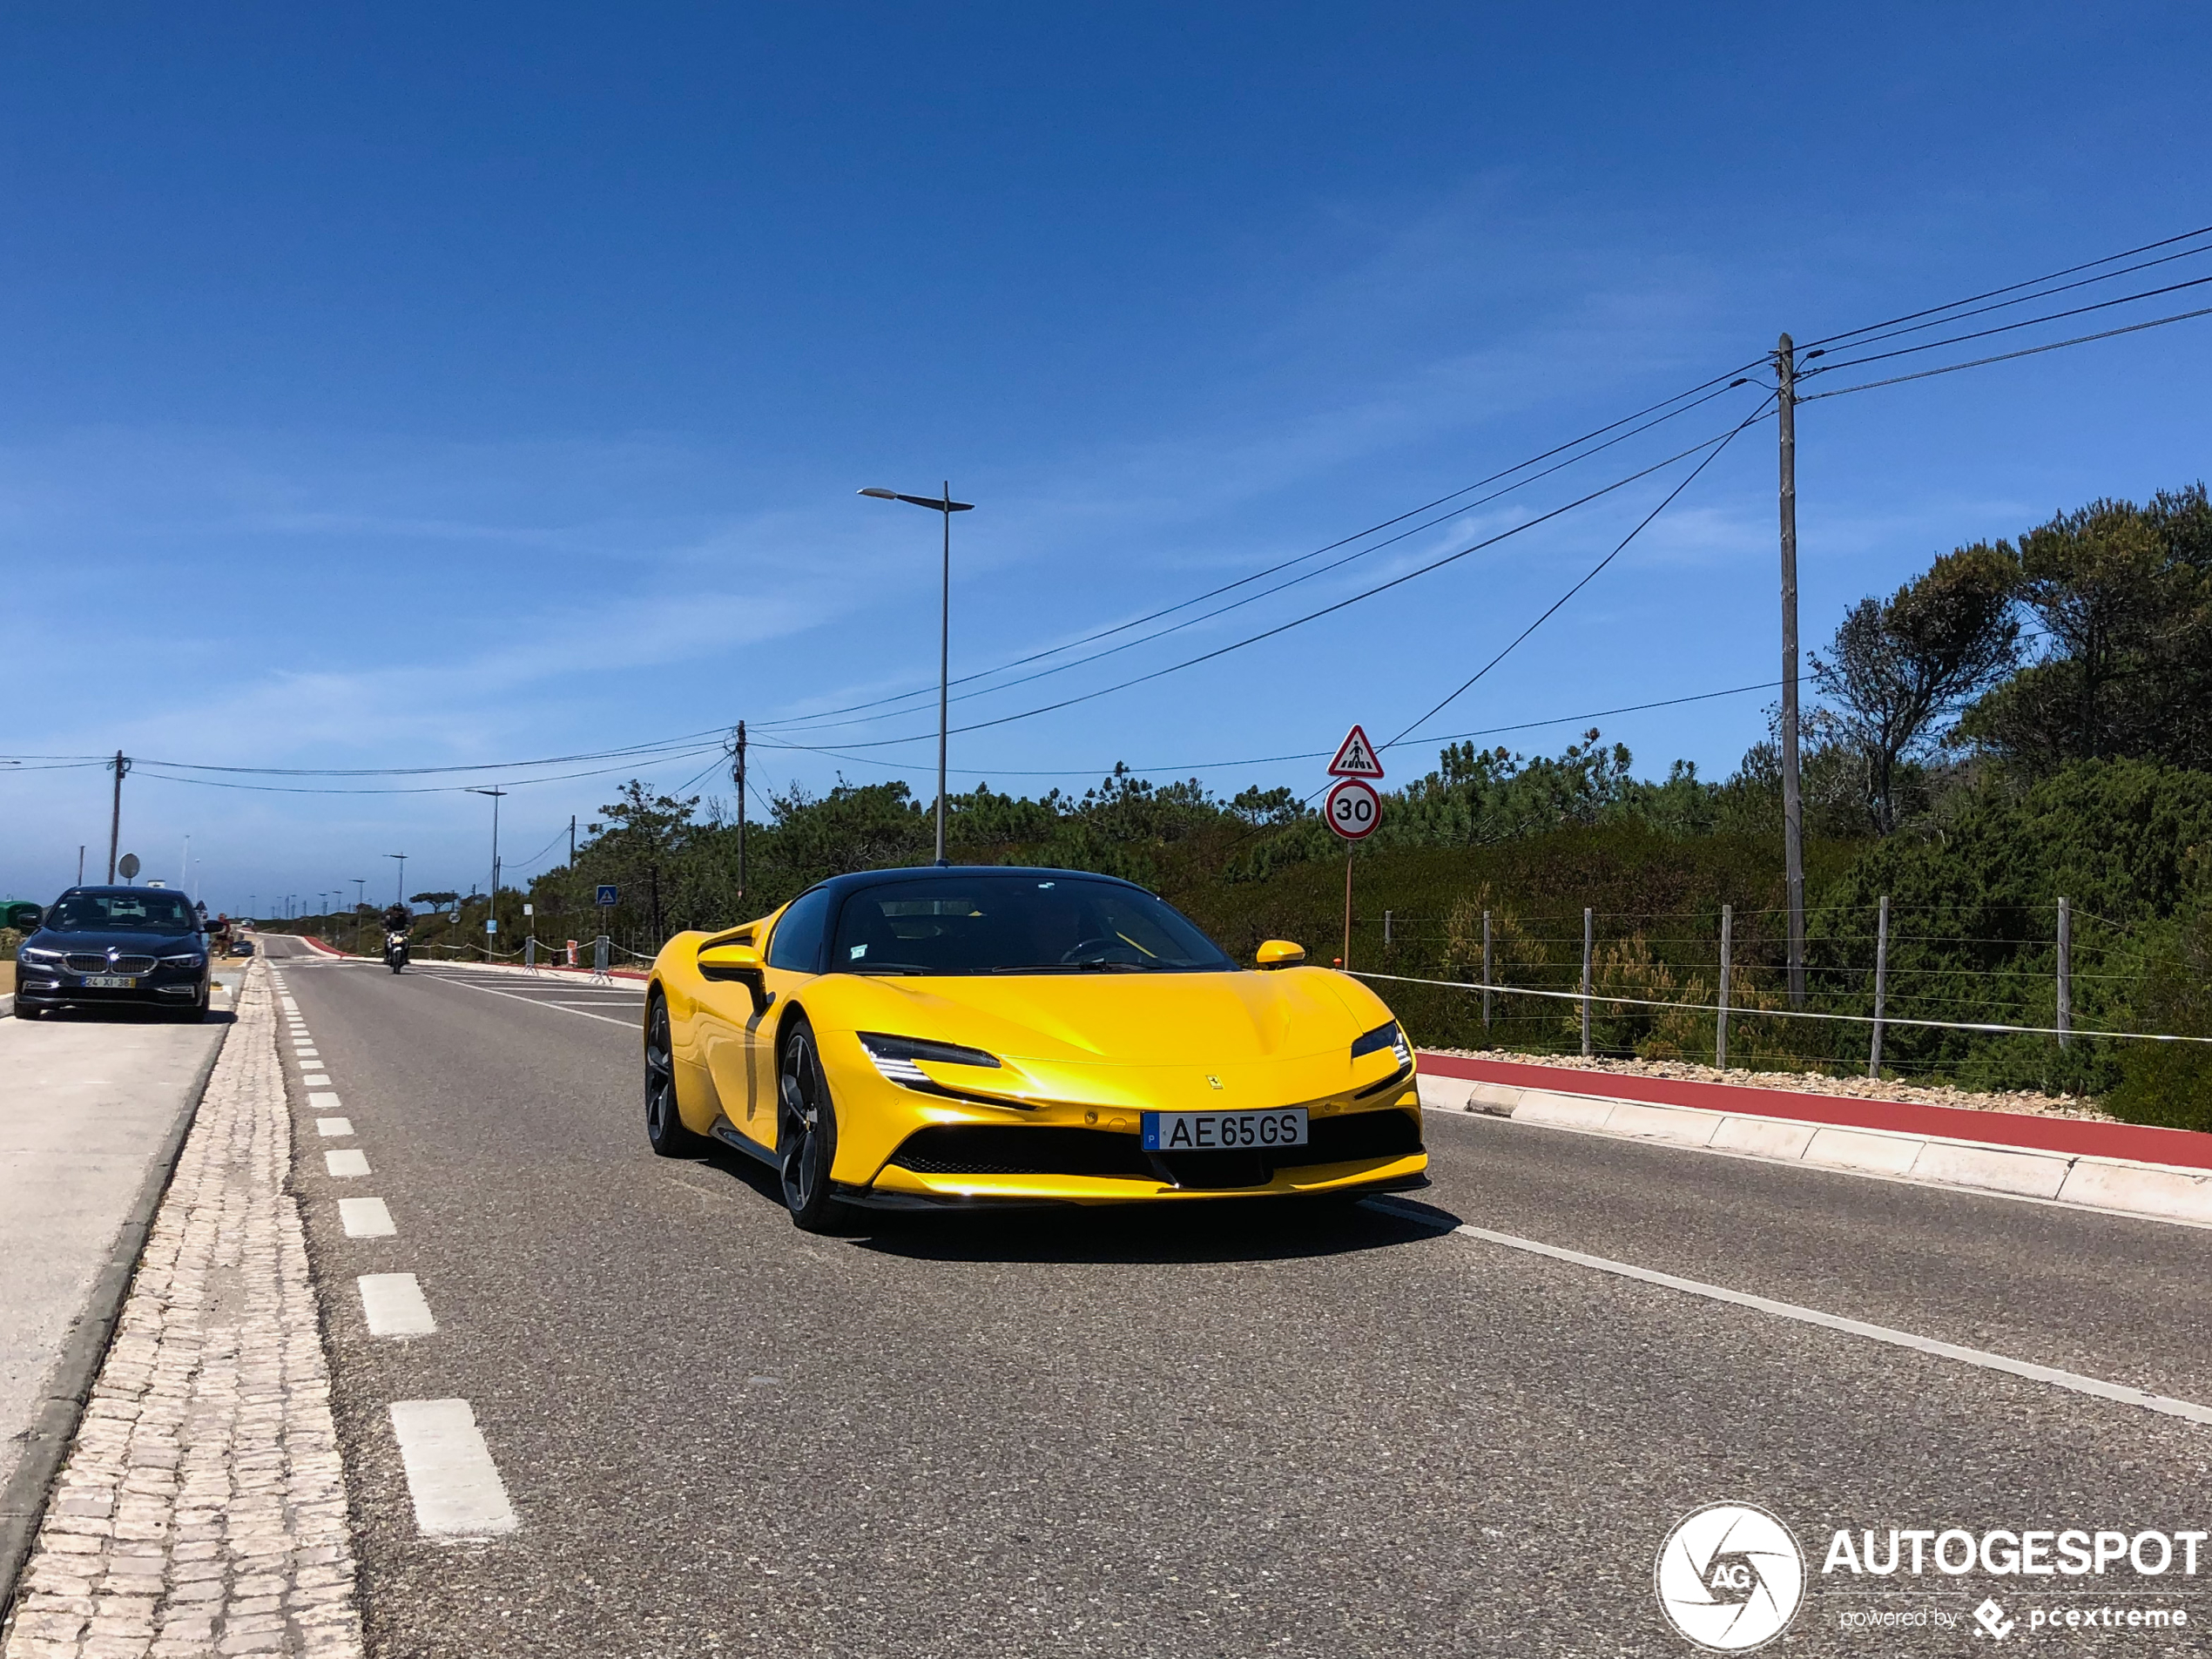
1123,1018
127,941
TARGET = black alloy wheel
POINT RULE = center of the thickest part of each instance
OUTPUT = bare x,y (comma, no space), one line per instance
664,1129
805,1133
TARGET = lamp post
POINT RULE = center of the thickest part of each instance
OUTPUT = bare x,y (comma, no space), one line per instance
946,505
360,903
491,903
399,890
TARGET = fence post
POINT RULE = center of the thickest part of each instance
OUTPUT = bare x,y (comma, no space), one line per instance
1720,1021
599,953
1881,985
1385,928
529,950
1586,982
1487,980
2065,971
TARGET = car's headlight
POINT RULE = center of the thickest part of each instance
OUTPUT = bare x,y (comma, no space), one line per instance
895,1057
1384,1036
43,958
186,959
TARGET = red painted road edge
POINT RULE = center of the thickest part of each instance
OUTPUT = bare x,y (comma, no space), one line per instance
543,967
2185,1148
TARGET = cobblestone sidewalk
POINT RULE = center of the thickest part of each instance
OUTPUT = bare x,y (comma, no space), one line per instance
202,1509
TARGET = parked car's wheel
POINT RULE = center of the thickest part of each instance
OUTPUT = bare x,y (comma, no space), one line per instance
806,1133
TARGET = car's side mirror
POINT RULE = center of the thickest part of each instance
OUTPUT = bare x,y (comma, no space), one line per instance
22,917
740,963
1281,953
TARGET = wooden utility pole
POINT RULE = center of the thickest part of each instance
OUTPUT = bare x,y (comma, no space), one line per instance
1793,816
736,777
115,816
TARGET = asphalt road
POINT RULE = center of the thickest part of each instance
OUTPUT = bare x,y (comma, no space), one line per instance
1214,1432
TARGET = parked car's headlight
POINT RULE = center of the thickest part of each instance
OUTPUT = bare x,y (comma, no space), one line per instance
1384,1036
895,1056
184,959
43,958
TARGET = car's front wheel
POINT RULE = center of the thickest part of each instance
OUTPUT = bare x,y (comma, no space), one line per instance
664,1129
806,1132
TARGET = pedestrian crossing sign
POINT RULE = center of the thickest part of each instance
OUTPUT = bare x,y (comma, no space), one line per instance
1356,757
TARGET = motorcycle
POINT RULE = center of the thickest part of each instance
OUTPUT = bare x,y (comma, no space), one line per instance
395,950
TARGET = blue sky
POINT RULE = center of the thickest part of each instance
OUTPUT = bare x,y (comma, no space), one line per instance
417,387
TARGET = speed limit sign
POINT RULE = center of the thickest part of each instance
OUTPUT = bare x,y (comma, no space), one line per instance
1352,808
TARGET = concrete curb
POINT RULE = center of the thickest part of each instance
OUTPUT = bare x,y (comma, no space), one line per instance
23,1503
2156,1191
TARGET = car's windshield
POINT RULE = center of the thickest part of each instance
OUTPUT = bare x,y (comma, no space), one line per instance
1015,924
144,910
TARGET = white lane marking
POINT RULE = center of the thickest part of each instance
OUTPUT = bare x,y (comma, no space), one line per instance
393,1305
365,1218
322,1103
347,1163
306,1054
330,1128
315,1080
581,1013
2092,1386
450,1476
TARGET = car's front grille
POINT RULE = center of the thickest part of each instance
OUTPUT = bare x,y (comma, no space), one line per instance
98,961
992,1148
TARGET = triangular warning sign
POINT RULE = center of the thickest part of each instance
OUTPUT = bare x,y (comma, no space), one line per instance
1356,758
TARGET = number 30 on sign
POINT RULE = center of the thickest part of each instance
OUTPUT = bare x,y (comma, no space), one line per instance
1352,808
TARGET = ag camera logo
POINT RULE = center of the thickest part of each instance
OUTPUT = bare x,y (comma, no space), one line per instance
1730,1577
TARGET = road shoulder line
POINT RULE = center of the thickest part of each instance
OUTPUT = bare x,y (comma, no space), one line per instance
2094,1387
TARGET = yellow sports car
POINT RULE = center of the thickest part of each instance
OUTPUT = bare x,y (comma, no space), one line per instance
914,1038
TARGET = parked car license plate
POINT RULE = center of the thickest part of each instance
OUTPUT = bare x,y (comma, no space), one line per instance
108,982
1214,1131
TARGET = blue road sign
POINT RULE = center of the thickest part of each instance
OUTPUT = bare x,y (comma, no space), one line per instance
606,894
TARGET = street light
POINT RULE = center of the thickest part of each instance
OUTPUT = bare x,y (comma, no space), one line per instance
947,506
491,904
398,893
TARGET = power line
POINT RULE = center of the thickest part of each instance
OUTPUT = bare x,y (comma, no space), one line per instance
2006,357
2013,287
1168,610
2009,327
417,789
1324,610
1591,575
1253,599
1179,768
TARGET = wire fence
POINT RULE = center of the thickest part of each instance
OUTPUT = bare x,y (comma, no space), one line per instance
1991,995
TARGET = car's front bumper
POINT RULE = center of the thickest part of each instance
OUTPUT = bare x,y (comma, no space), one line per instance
902,1189
40,988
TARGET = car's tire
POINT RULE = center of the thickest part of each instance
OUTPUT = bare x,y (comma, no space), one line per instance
806,1132
665,1130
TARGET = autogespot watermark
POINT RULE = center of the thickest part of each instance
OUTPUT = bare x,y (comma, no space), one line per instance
1730,1577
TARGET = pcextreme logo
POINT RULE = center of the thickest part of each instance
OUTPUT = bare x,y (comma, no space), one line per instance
1730,1577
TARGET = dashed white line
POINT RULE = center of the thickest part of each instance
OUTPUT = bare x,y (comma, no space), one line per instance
331,1128
393,1305
347,1163
315,1080
2096,1388
324,1102
450,1476
365,1218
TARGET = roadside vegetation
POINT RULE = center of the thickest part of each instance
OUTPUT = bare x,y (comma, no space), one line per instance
2026,720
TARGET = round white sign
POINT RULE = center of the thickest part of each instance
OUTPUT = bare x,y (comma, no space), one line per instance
1730,1577
1352,808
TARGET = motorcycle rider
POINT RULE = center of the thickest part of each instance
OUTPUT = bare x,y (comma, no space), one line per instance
399,921
398,918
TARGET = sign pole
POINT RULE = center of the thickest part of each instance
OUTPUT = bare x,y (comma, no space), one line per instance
1347,909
